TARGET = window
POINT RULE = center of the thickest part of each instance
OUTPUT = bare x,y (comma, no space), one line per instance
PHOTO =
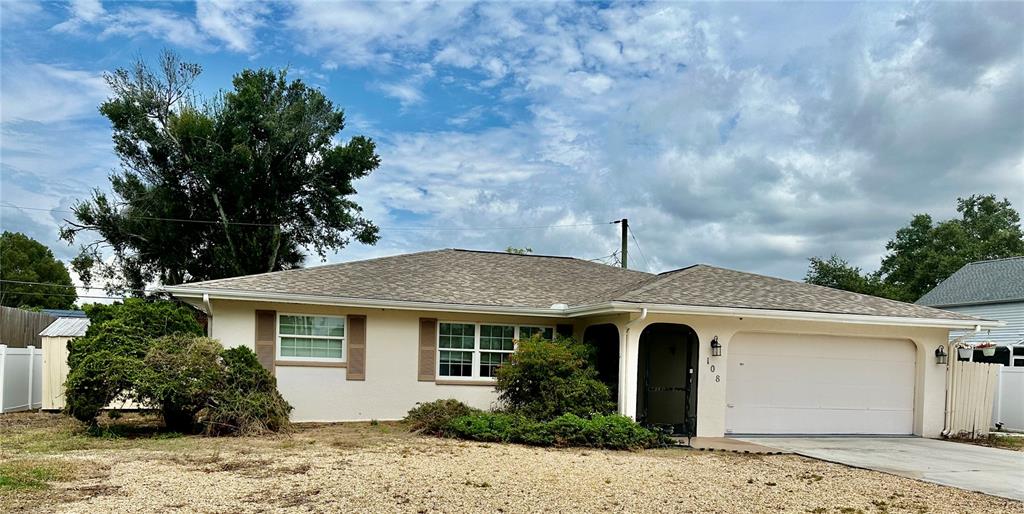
528,332
456,342
1018,356
476,350
318,338
497,342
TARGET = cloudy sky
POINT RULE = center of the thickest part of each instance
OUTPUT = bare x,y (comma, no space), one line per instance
751,136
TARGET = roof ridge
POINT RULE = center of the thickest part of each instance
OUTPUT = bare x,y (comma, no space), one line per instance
308,268
566,257
851,294
985,261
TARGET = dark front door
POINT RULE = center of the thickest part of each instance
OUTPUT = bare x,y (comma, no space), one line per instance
668,378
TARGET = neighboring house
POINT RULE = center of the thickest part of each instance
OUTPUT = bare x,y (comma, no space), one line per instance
705,350
992,289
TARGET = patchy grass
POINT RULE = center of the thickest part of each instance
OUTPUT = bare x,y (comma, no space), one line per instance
33,474
49,463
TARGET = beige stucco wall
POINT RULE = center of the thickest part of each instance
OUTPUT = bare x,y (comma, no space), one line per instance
929,393
391,387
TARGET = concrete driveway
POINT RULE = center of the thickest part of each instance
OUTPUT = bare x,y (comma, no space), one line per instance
975,468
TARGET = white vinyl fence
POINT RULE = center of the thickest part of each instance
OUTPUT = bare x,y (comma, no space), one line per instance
21,378
1009,402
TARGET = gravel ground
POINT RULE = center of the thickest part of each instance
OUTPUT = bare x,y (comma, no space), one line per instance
380,468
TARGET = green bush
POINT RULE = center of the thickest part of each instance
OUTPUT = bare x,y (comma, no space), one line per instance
179,374
432,417
247,401
105,364
545,379
154,354
612,431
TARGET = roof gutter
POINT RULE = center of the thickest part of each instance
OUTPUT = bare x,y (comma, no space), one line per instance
190,293
585,310
863,319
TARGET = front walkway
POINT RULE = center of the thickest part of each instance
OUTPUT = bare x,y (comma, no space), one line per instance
975,468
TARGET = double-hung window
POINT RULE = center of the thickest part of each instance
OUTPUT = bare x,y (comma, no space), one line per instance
476,350
310,338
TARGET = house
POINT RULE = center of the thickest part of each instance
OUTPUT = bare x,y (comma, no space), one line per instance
706,351
992,289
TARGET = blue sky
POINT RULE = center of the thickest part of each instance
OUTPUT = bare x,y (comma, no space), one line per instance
750,136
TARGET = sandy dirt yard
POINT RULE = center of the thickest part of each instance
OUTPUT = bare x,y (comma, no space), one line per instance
48,464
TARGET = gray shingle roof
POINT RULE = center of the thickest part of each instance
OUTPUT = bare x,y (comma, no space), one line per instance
999,280
500,279
708,286
448,276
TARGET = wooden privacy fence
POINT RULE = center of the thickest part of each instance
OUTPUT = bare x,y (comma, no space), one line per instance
21,378
972,389
20,328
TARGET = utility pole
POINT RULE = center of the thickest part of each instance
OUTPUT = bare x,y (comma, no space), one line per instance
625,237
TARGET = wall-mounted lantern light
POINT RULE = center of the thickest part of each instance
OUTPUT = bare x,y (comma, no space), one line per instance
716,347
940,355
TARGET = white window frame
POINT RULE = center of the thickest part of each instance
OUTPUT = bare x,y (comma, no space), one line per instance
476,350
344,339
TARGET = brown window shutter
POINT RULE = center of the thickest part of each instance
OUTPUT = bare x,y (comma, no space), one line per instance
428,349
355,338
266,338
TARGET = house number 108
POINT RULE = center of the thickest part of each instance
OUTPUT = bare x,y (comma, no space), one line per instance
718,378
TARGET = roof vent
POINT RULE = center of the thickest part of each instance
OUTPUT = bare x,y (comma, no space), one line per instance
559,306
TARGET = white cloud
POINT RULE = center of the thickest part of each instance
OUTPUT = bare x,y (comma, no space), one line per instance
87,10
232,21
361,34
752,136
725,139
46,93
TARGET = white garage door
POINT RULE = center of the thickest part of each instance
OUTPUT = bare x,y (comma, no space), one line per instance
798,384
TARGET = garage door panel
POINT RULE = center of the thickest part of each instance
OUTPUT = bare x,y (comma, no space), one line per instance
799,384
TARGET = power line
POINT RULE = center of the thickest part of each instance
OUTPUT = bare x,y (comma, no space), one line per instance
523,227
595,259
49,284
390,229
631,234
31,293
154,218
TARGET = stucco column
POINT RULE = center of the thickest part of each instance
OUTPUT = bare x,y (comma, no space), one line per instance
629,347
930,393
621,399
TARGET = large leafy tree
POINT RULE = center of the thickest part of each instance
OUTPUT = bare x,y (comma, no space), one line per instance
237,185
924,252
24,264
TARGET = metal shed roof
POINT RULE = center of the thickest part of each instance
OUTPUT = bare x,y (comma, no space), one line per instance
66,327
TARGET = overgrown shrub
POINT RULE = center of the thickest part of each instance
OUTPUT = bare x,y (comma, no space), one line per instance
247,401
154,354
545,379
105,364
432,417
179,374
612,431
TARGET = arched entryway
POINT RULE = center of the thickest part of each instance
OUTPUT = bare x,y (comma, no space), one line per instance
667,378
604,338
